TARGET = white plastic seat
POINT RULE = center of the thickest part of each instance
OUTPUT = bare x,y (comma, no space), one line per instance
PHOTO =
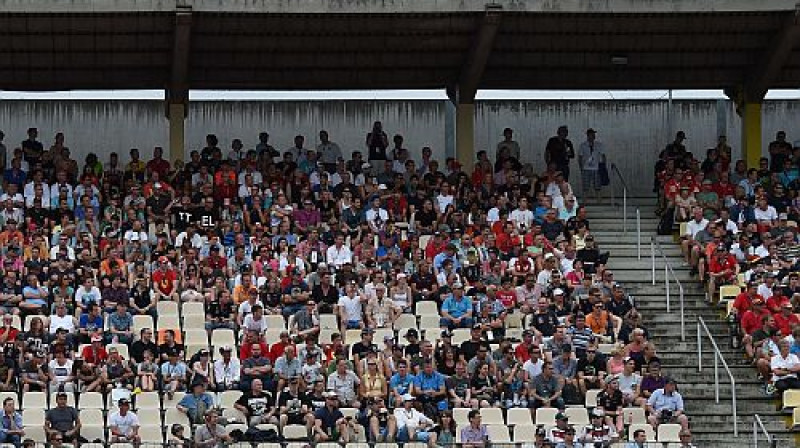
349,412
194,321
272,335
33,417
546,416
173,415
352,336
227,398
427,307
142,321
461,416
405,321
195,336
275,321
119,445
93,433
166,308
460,335
234,415
325,335
328,322
498,433
149,417
34,400
295,432
668,432
524,433
151,434
519,416
169,322
92,417
16,322
427,321
380,333
578,416
147,401
176,398
193,308
223,336
591,398
492,416
632,416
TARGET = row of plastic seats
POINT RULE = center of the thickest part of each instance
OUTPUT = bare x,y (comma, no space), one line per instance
96,400
95,417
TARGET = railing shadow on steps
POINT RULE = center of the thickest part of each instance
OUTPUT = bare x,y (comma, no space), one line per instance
718,358
655,245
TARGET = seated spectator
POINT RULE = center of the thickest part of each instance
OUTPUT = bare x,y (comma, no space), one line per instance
196,403
294,406
62,421
330,425
210,434
121,325
666,406
256,366
174,374
258,405
413,425
123,424
456,309
546,389
11,428
601,430
785,367
227,370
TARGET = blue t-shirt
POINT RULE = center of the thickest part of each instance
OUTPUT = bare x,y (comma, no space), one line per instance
457,308
433,382
402,384
91,325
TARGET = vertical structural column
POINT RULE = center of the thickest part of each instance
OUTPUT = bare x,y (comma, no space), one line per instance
176,114
751,133
465,135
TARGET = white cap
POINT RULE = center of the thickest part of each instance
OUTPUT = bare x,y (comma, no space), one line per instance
558,292
408,397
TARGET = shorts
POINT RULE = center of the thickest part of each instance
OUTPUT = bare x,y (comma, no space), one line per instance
295,419
353,324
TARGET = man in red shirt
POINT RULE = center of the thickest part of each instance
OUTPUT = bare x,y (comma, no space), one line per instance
744,300
252,338
722,269
786,319
506,294
277,349
158,164
522,352
673,186
752,321
165,281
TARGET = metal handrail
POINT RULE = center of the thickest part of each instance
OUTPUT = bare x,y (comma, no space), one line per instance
702,327
655,244
757,423
624,198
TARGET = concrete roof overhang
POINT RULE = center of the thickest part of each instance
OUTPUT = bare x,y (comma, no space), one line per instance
463,45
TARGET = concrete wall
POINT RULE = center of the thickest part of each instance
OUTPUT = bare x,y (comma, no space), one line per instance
633,131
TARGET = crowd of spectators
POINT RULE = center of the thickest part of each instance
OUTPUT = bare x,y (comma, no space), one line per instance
306,282
740,238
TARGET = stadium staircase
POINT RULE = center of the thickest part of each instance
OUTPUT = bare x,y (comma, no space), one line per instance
711,422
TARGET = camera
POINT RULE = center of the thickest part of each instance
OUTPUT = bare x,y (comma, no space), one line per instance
666,416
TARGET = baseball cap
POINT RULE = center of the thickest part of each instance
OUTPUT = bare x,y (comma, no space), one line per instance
561,416
558,292
783,216
408,397
123,401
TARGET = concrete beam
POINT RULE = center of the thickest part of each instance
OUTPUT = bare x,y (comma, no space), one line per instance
396,6
472,71
769,66
178,88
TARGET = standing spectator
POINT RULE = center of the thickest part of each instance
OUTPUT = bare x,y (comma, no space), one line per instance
559,151
590,155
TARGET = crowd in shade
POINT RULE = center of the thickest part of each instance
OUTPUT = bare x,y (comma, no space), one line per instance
329,295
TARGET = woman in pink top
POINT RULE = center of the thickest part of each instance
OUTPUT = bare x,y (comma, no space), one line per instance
615,363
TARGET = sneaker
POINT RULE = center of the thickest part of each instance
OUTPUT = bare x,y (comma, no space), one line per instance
770,389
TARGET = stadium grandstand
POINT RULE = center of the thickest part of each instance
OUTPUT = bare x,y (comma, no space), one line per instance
238,294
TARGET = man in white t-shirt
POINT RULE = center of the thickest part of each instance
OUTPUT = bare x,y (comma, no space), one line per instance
124,424
351,306
522,217
785,367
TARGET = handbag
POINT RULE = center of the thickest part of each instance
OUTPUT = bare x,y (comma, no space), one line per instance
602,171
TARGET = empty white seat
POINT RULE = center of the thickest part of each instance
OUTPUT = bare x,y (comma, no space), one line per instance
668,432
519,416
492,416
405,320
295,432
33,417
427,321
176,398
461,416
275,321
141,321
169,321
328,322
166,308
459,335
34,400
193,308
173,415
92,417
498,433
149,417
272,335
633,415
578,416
222,336
227,398
427,307
591,398
151,433
195,336
194,321
92,433
546,416
524,433
147,401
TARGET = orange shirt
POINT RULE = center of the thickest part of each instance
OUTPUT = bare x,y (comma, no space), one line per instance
599,325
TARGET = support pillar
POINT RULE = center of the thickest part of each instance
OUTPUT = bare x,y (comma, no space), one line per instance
465,136
176,114
751,133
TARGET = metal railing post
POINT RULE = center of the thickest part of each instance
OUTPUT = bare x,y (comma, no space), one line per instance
638,234
735,416
624,211
683,321
653,256
666,283
699,348
755,434
716,378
